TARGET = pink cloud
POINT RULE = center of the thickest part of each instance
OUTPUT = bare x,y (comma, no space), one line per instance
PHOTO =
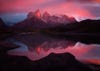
69,7
18,5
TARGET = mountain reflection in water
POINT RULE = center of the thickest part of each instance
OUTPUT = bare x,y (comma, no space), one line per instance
38,45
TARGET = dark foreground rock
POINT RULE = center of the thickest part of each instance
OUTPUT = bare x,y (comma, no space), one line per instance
5,31
53,62
7,45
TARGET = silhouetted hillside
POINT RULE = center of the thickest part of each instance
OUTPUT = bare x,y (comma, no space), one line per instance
85,26
53,62
2,25
4,30
84,31
28,25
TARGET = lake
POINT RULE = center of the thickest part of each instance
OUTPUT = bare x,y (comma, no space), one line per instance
38,45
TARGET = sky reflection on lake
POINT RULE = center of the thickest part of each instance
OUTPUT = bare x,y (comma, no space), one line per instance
36,48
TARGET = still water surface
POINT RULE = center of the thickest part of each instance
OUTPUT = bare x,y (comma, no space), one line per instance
37,46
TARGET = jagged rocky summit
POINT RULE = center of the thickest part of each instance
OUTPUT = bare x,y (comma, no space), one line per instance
36,20
52,19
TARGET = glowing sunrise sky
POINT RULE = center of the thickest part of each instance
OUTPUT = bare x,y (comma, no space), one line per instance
17,9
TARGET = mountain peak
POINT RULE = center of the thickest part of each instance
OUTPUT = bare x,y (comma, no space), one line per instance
30,15
46,14
37,13
52,19
34,14
72,19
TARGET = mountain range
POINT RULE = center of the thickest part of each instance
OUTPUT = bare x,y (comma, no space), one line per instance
85,26
35,21
51,19
60,24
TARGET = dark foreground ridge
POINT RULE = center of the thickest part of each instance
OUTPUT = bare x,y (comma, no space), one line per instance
53,62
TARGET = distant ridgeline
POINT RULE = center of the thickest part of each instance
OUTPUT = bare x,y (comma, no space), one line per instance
37,22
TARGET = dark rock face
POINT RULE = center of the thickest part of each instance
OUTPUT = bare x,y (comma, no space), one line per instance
4,30
80,31
28,25
1,22
85,26
53,62
7,45
2,25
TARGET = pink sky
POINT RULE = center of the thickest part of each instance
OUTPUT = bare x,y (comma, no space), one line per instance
76,8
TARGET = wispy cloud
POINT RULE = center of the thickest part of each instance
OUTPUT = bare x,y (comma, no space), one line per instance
82,8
